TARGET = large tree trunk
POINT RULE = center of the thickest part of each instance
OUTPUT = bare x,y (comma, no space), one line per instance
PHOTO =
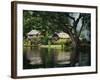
75,46
75,52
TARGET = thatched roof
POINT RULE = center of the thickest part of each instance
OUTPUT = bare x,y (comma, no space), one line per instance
33,32
63,35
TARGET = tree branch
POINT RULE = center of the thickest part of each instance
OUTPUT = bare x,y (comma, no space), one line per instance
80,30
67,15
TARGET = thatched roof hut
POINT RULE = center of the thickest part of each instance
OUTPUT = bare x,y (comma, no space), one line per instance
33,33
62,35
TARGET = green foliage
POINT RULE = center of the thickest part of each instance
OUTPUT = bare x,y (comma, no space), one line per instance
49,22
40,20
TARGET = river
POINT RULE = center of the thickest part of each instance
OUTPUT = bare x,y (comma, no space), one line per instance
35,57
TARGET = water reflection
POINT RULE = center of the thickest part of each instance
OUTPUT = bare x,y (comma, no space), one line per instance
35,57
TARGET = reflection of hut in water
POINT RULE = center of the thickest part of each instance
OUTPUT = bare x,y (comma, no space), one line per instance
60,37
33,33
64,58
33,55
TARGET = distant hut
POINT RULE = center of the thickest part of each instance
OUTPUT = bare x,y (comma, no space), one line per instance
33,33
60,37
63,35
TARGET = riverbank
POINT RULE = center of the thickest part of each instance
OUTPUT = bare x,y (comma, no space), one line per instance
45,46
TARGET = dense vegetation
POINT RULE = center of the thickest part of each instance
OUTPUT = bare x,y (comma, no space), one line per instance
50,22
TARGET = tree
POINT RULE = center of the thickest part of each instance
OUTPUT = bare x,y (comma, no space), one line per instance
75,34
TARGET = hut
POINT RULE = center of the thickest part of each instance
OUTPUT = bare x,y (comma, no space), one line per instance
33,33
60,37
63,35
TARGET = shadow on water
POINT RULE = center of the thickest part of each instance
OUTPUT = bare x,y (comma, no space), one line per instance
34,57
